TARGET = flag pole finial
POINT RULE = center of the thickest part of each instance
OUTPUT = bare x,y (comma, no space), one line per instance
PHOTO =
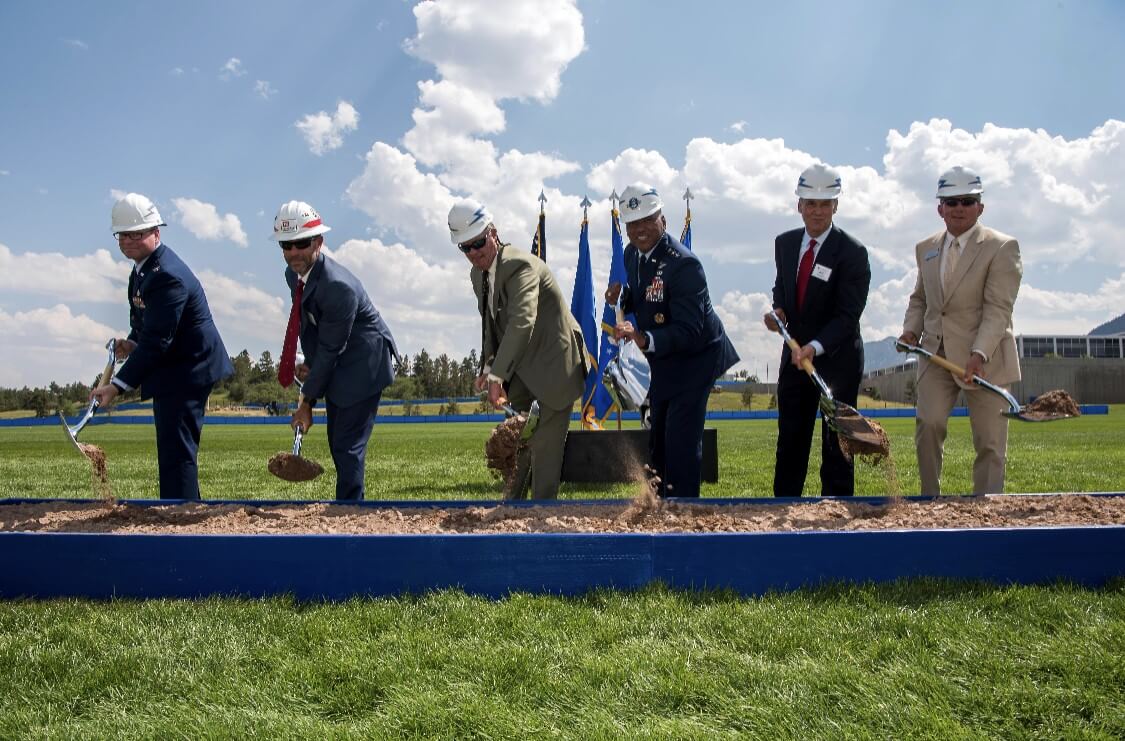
542,201
688,197
614,199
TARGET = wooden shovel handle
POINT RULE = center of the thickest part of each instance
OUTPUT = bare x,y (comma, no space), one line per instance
805,362
949,366
106,374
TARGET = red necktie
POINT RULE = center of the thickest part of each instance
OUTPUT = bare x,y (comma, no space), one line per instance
289,347
803,273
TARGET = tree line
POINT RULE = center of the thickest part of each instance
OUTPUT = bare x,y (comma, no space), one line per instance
422,376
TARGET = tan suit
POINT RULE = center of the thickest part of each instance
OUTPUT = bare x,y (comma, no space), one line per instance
975,313
535,345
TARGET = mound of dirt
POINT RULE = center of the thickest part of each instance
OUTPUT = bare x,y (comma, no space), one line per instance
644,514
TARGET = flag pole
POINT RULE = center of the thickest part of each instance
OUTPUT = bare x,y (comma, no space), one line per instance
614,199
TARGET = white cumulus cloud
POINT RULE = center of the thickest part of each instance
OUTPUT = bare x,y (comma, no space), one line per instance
203,220
264,89
324,132
55,345
93,277
232,68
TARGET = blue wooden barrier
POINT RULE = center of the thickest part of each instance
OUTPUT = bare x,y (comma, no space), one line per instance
308,566
132,419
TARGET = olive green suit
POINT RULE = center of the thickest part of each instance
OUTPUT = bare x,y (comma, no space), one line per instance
535,345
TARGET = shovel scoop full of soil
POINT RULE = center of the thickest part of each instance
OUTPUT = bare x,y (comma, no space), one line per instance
293,467
1052,405
503,445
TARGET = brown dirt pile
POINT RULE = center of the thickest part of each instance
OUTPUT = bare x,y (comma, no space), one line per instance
628,516
293,467
1055,404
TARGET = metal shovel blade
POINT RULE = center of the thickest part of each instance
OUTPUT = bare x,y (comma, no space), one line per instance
844,419
107,372
521,479
1015,411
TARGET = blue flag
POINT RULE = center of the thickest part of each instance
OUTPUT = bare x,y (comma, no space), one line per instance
685,236
582,307
539,241
603,402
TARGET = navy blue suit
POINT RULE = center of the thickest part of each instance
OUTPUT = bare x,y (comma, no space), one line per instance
830,316
350,353
178,359
689,351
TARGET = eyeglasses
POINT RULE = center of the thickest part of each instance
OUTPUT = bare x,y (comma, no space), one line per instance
134,236
297,244
966,202
476,244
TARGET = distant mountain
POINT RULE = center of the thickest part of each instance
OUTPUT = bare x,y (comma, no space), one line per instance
1113,326
881,354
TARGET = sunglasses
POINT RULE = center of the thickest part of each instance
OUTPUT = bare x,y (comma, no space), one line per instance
966,202
476,244
134,236
297,244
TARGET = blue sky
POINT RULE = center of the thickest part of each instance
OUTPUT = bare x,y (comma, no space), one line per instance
379,114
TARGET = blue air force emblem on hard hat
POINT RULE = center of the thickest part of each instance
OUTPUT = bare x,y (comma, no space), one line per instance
634,202
477,215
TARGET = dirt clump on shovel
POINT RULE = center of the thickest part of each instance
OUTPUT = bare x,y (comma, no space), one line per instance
1057,403
872,451
293,467
99,473
502,448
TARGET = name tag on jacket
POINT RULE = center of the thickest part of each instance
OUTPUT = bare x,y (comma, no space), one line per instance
821,272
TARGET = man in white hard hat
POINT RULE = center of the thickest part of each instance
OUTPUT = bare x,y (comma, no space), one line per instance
173,352
531,345
961,309
349,353
680,334
819,291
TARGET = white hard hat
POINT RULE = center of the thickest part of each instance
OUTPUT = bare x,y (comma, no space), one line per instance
639,201
819,183
297,220
467,220
133,213
959,181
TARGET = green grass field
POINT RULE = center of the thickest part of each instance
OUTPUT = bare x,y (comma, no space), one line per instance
919,659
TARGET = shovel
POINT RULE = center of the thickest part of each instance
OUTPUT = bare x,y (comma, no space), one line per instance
72,432
522,478
291,466
1015,411
843,418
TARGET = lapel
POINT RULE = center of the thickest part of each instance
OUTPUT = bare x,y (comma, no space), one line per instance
311,283
789,254
645,270
152,265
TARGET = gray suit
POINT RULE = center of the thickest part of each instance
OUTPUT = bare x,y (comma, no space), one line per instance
535,345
